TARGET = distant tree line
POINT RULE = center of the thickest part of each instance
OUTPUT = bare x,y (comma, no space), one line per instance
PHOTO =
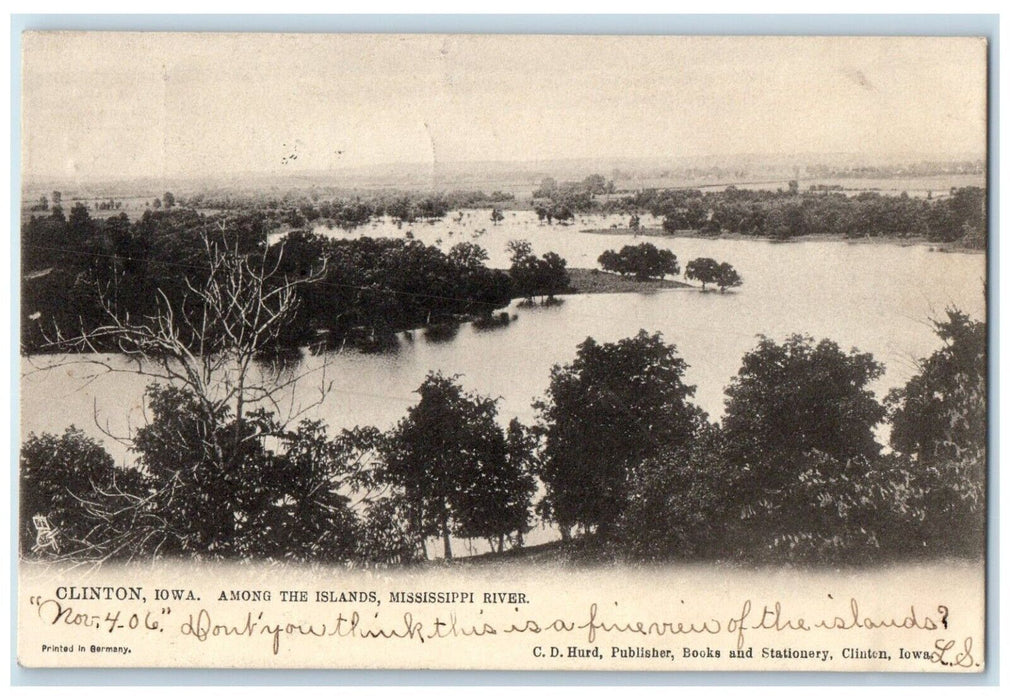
298,208
560,202
592,185
957,215
787,214
920,169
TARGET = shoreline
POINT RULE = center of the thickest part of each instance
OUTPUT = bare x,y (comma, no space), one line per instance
585,280
908,242
582,280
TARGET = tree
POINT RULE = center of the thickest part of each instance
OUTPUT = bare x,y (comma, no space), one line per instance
451,460
615,405
727,277
57,198
968,209
705,270
548,186
787,221
635,223
673,222
249,500
712,226
467,256
202,338
519,251
67,480
301,504
551,275
156,203
544,212
597,184
611,261
562,211
834,510
532,276
939,419
385,535
496,216
791,398
81,225
168,200
643,260
799,428
941,412
678,502
500,503
79,239
523,270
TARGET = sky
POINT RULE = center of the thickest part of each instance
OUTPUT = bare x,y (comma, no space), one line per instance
100,106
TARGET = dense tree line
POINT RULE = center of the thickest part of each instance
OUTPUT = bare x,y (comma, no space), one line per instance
374,287
787,214
794,471
297,208
957,215
625,460
371,287
282,503
922,168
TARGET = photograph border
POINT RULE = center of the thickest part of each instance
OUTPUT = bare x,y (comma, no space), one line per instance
735,25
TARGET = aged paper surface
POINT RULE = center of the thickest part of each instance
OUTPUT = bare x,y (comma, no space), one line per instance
503,352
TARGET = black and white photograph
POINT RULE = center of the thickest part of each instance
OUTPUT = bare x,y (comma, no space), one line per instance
524,352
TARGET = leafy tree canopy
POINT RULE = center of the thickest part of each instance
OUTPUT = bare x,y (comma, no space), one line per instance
792,397
941,412
606,411
644,261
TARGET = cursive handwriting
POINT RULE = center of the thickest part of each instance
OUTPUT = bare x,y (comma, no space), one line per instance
56,612
658,628
961,658
854,620
595,622
202,628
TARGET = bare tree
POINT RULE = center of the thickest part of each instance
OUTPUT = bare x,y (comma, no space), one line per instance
212,338
208,341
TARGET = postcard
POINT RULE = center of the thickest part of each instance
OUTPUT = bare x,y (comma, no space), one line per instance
528,352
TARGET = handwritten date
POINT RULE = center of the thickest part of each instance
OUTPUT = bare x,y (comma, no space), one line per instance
55,612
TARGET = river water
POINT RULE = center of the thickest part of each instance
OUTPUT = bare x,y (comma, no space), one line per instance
877,297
